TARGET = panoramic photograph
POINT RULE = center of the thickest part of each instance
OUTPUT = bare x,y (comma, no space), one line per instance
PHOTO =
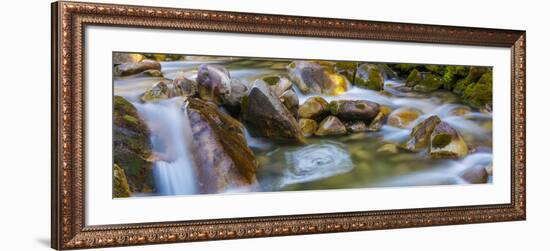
202,124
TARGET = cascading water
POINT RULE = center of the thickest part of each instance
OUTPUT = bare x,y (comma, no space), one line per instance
170,137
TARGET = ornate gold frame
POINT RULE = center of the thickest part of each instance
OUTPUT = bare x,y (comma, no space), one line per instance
68,226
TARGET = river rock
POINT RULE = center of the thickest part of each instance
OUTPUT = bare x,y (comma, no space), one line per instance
239,90
277,84
184,87
222,157
480,94
311,77
356,126
314,108
290,100
266,116
132,148
120,183
403,117
214,83
476,174
369,76
127,69
424,81
420,135
308,126
346,69
380,119
124,58
354,109
446,142
157,92
331,125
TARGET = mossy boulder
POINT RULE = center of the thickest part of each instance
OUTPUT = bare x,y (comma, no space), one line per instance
403,70
346,69
474,74
120,183
413,78
452,74
214,83
363,110
308,126
424,81
132,68
388,72
403,117
315,108
331,126
378,121
317,78
266,116
480,94
158,91
131,146
421,133
446,142
369,76
222,157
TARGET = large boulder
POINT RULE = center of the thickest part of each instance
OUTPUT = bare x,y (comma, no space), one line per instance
424,81
214,83
184,87
330,126
363,110
222,157
132,68
266,116
314,108
158,91
480,94
312,77
446,142
403,117
369,76
420,135
132,148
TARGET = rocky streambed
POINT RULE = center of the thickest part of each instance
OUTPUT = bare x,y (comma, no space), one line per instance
192,125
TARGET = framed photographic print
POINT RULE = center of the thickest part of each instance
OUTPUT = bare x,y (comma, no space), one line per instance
176,125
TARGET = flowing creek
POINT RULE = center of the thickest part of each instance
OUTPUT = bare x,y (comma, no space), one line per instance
350,161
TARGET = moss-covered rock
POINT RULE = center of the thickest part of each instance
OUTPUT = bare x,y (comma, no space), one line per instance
452,74
387,71
429,82
222,157
420,135
315,108
446,142
404,70
158,91
330,126
308,126
480,94
474,73
378,121
131,146
266,116
369,76
349,110
346,69
120,183
132,68
278,84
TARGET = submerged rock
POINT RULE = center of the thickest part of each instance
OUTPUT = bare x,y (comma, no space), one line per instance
388,149
308,126
314,108
354,109
476,174
291,101
420,135
157,92
185,87
331,125
311,77
221,154
153,73
131,146
214,83
446,142
369,76
120,183
127,69
403,117
265,115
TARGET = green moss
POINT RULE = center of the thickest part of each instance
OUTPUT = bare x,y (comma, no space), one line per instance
441,140
438,69
480,93
271,80
390,73
452,74
429,82
131,119
474,73
333,107
413,78
369,76
405,68
347,69
121,188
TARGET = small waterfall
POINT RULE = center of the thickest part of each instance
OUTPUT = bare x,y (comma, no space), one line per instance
173,168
